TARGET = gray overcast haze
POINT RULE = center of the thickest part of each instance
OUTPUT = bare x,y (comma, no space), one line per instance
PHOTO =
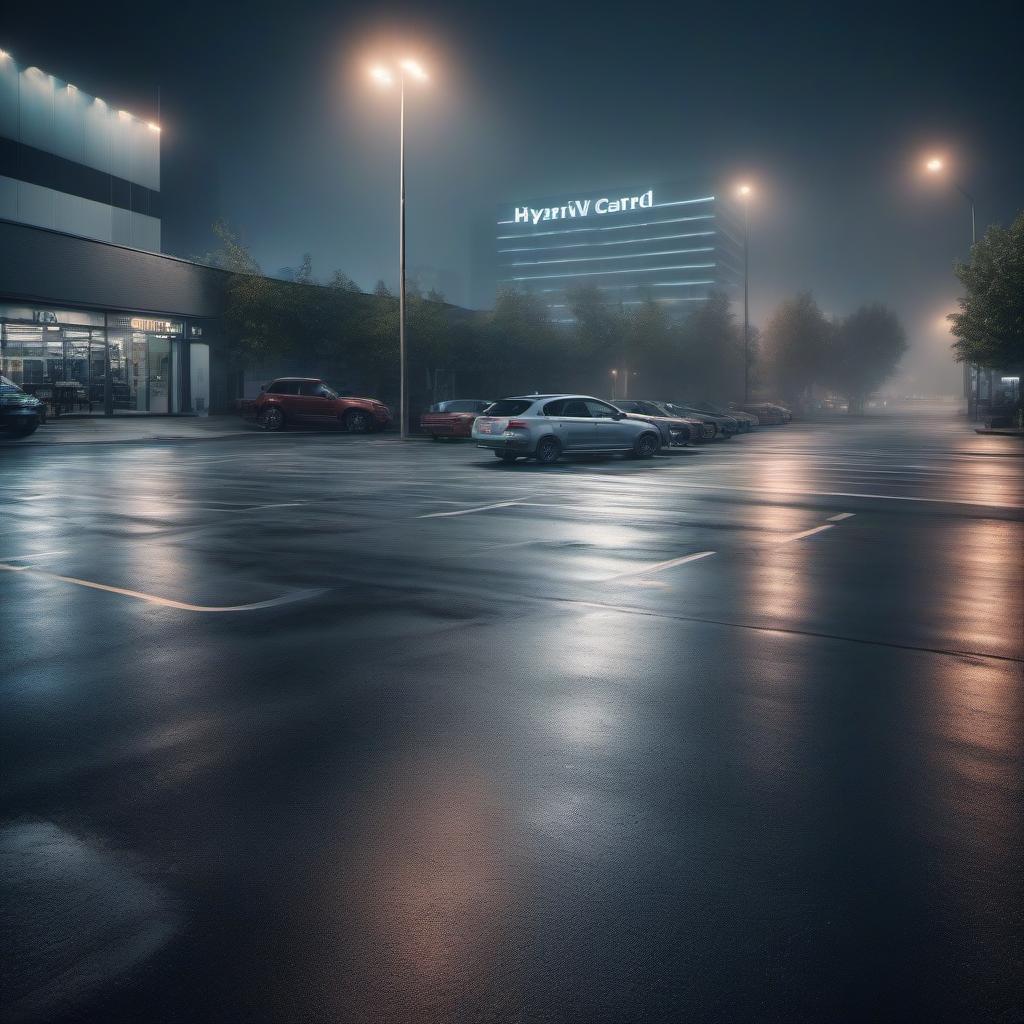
271,122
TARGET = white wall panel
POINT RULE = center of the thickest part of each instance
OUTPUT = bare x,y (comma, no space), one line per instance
9,88
145,232
122,226
35,205
97,125
8,198
37,109
69,123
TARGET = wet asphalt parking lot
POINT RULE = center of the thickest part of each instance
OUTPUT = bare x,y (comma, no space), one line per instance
312,727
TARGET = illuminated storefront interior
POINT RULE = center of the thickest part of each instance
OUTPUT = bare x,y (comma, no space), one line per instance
89,362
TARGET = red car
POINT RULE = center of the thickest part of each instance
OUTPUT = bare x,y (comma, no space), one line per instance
311,400
452,419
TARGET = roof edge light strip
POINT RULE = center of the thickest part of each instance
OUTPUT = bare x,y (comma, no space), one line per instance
621,256
624,241
612,227
602,273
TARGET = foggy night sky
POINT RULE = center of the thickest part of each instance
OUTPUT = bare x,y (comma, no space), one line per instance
271,122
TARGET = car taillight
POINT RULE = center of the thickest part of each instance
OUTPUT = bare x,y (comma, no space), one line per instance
517,425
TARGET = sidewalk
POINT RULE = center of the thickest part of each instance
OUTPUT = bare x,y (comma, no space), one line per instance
119,429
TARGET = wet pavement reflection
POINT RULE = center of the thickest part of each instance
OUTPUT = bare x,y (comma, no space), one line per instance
736,734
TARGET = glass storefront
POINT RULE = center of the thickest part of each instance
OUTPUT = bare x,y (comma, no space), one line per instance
95,363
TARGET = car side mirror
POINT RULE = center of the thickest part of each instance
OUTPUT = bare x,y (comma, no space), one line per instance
619,416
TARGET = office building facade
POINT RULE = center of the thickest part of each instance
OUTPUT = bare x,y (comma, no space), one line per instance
673,243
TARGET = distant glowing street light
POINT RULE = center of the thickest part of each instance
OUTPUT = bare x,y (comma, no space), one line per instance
934,165
385,75
744,193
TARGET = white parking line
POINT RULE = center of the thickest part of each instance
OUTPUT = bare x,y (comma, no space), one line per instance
660,566
802,534
848,494
469,511
840,516
30,557
166,602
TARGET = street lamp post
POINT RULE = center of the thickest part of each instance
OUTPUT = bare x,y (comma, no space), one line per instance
936,165
744,192
385,76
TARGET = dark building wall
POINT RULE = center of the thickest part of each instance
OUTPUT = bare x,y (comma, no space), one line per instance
58,269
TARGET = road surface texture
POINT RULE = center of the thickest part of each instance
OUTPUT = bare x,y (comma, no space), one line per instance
312,727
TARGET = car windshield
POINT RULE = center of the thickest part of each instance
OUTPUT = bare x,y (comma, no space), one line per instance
326,391
509,407
707,407
630,406
8,387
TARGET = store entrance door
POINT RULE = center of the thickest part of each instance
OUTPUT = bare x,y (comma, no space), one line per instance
159,373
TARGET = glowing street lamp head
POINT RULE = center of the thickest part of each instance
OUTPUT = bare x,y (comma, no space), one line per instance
415,69
934,165
381,75
745,191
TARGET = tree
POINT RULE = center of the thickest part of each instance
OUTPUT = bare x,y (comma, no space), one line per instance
990,325
381,290
711,352
796,344
866,348
341,282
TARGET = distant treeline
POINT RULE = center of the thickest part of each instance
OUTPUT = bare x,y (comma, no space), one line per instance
339,331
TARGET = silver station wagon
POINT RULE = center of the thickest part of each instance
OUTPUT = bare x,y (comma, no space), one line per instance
545,427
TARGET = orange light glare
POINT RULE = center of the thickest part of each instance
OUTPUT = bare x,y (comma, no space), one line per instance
414,69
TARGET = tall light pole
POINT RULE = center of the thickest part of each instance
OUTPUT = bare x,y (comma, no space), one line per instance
936,165
745,192
386,76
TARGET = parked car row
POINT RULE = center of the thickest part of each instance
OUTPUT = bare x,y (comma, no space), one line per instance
544,427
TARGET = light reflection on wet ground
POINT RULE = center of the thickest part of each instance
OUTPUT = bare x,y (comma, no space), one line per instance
490,774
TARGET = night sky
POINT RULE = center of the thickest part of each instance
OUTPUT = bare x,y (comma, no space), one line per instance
270,121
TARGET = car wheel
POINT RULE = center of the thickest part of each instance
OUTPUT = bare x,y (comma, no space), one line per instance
24,429
548,451
434,437
508,457
272,418
646,446
356,421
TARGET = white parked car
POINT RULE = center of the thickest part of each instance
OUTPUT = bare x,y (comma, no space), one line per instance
546,426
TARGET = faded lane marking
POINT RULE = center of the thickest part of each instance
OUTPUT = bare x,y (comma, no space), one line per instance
470,511
660,566
29,558
166,602
840,516
802,534
849,494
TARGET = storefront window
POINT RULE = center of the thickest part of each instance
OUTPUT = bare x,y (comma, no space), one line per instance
64,356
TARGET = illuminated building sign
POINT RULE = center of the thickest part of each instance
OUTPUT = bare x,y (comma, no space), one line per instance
582,208
140,323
